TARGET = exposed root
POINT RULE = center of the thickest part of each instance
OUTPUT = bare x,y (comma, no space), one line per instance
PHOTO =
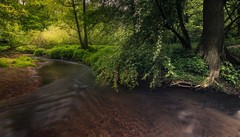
185,84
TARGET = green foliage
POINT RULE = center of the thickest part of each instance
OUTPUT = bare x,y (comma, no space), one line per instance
235,51
29,49
2,48
229,73
40,52
105,67
22,61
53,36
129,67
232,41
186,61
101,51
79,54
61,52
3,63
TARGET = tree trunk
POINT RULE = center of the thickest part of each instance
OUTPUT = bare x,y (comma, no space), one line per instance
185,40
238,23
77,25
85,44
213,36
134,16
182,25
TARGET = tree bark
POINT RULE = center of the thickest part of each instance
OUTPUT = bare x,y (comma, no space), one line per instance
77,25
238,23
183,39
213,36
182,25
85,44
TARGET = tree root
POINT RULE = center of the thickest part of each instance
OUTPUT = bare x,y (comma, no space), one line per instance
185,84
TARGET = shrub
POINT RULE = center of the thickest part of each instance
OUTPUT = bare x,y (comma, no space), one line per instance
39,52
229,73
54,53
29,49
131,66
235,51
78,54
2,48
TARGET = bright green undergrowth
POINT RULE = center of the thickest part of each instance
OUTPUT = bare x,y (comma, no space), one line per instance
22,61
2,48
28,49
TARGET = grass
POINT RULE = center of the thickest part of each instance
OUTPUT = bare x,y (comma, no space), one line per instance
21,61
2,48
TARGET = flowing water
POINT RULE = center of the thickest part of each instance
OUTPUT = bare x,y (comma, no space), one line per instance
69,105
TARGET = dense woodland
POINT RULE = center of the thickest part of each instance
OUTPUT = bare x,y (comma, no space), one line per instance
129,43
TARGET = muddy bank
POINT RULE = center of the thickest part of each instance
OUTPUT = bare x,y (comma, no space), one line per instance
17,81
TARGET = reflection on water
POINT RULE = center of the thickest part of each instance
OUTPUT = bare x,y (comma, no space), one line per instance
69,105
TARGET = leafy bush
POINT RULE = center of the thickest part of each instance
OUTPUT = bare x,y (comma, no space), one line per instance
2,48
235,51
229,73
54,53
40,52
101,51
62,52
131,66
78,54
104,65
29,49
232,41
194,65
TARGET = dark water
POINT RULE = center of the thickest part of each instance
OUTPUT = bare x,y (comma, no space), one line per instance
69,105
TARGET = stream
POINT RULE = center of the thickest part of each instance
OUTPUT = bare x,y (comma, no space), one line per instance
68,104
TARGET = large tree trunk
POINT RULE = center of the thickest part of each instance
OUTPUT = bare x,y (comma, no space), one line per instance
213,36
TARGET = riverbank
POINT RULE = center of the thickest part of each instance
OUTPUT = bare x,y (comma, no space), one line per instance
19,76
18,81
175,69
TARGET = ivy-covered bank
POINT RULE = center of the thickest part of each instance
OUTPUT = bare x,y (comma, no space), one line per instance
152,66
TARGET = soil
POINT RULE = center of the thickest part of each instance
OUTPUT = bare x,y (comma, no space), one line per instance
17,81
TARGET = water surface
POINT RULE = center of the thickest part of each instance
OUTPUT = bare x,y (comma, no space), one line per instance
69,105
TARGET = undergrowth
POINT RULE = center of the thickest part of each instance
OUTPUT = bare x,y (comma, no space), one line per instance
152,65
22,61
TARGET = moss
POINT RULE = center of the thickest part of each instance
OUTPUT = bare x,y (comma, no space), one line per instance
29,49
22,61
2,48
